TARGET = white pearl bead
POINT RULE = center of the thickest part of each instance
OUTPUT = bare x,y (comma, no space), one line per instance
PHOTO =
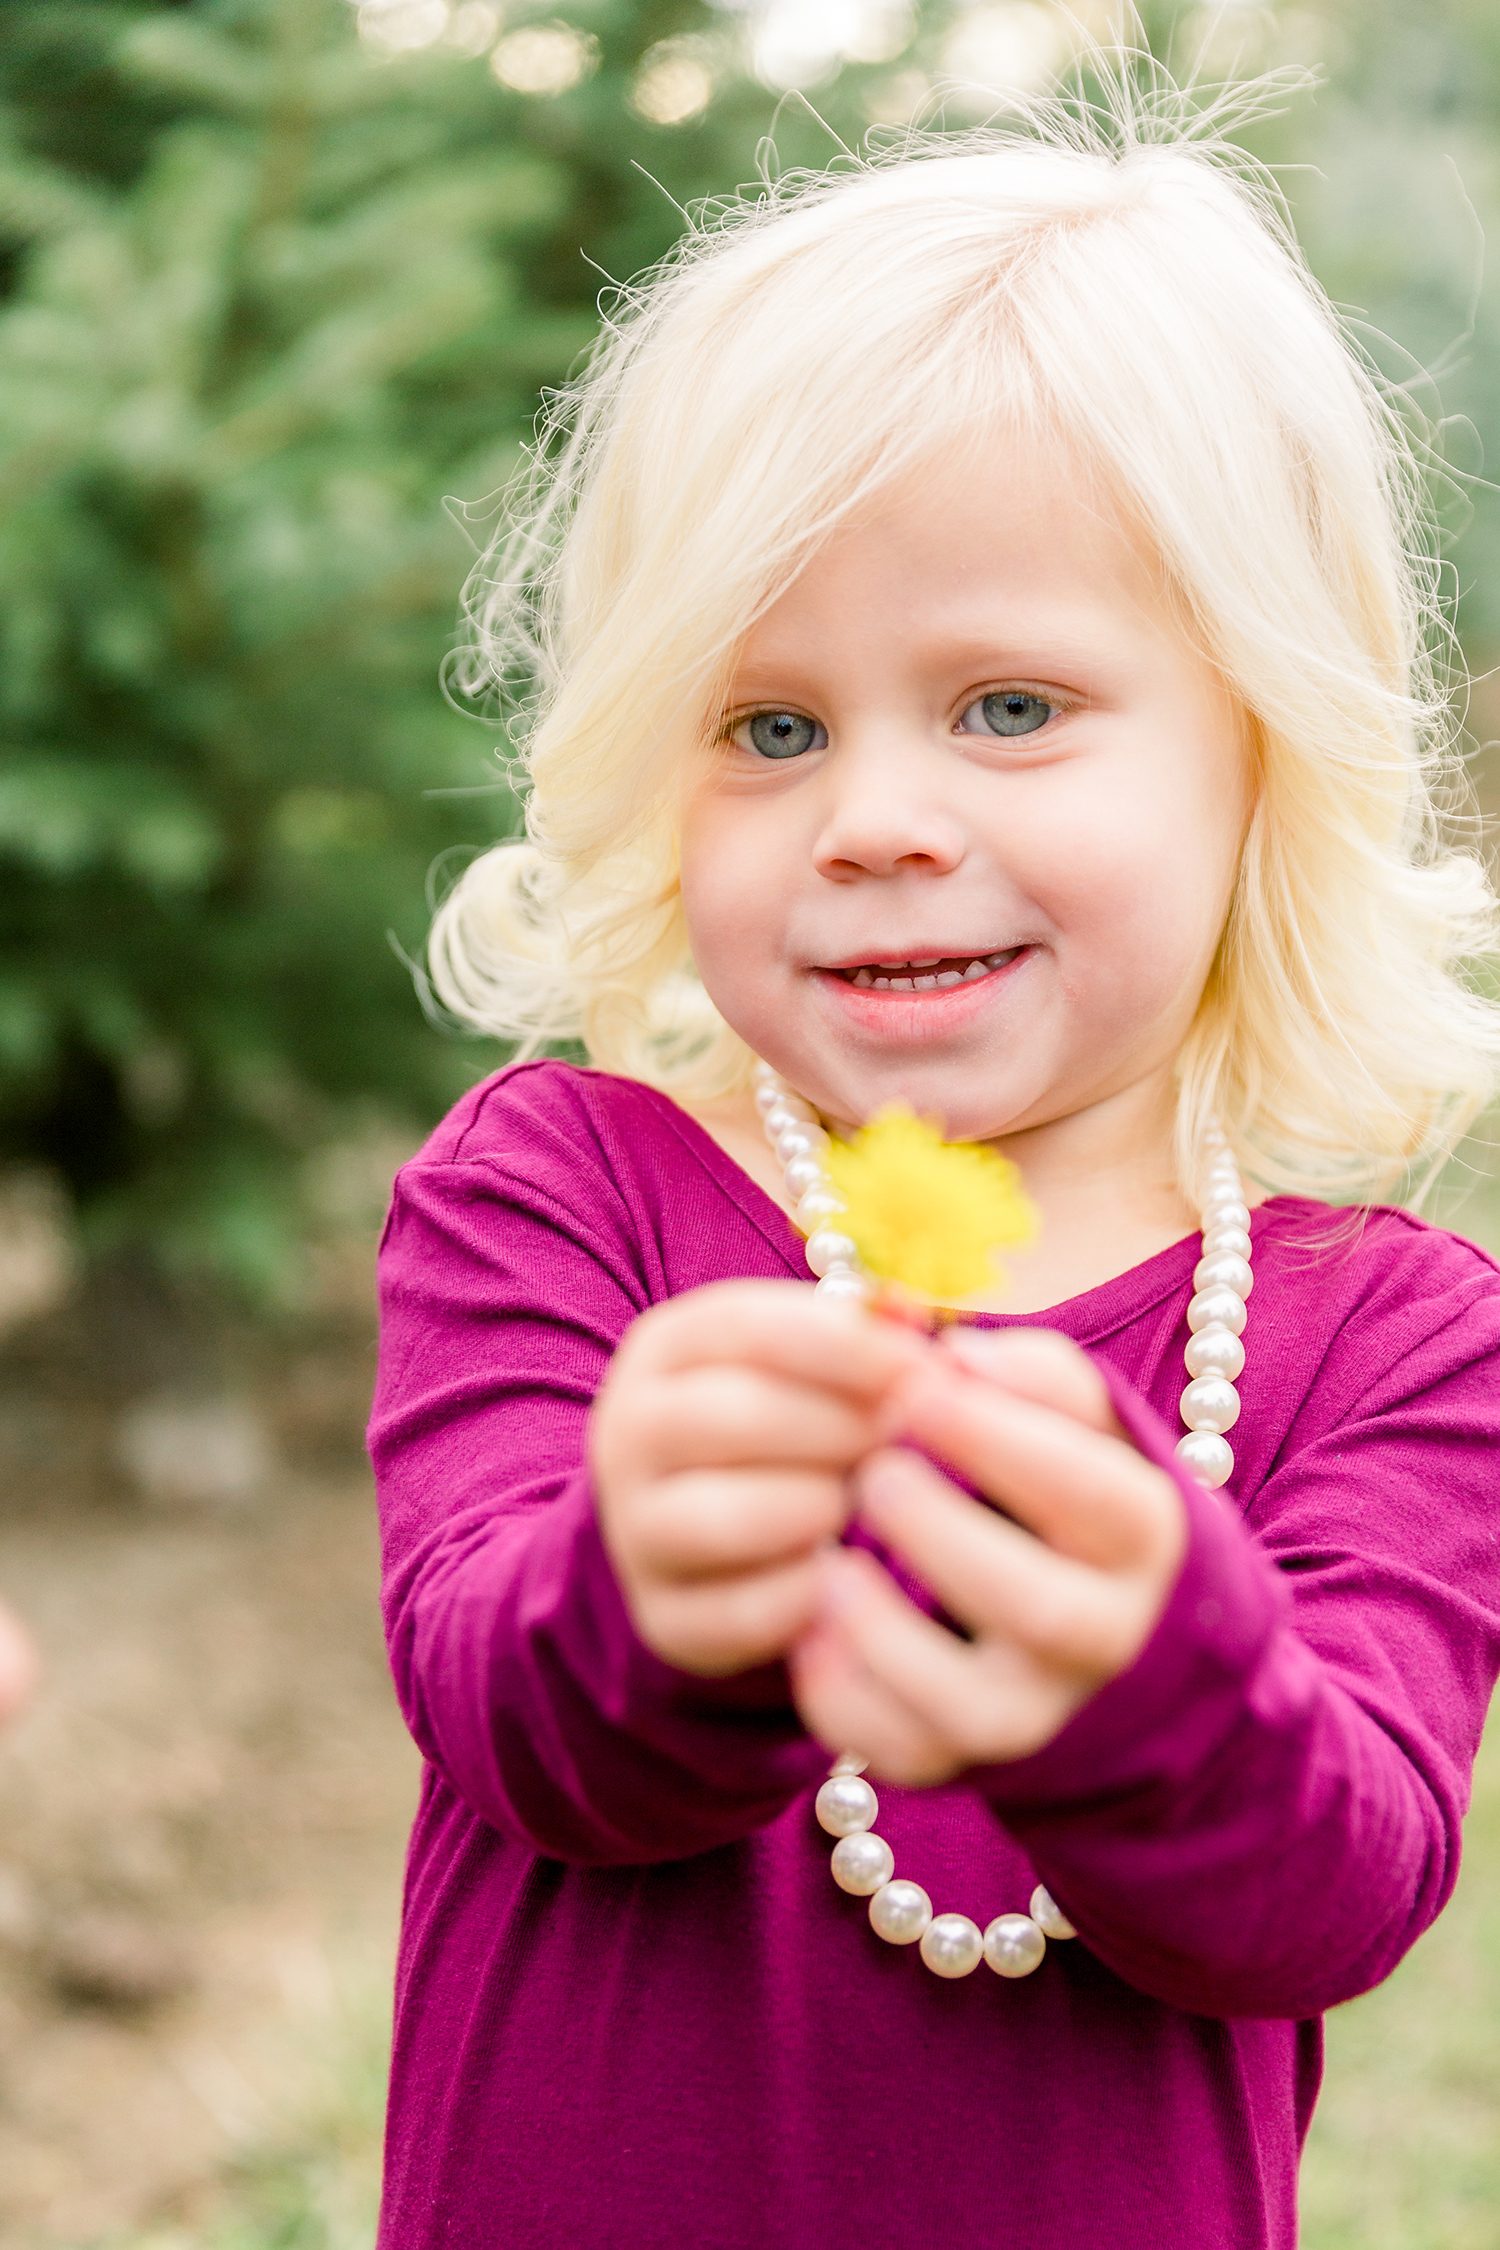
1207,1455
769,1094
1215,1351
818,1204
845,1805
862,1863
1216,1308
1209,1403
1225,1211
1048,1915
828,1248
952,1945
900,1912
764,1075
1222,1270
843,1282
802,1140
1013,1945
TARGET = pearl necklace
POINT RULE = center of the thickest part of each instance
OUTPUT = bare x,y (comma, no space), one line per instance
863,1863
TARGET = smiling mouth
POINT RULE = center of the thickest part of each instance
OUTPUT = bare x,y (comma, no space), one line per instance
937,973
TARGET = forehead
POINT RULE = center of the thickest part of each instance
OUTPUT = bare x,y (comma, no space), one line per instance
1008,536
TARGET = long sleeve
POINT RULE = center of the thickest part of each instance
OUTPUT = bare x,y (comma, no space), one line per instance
515,1662
1263,1814
619,1933
1257,1819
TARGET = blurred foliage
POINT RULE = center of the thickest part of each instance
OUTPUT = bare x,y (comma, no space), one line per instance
272,297
1393,174
271,290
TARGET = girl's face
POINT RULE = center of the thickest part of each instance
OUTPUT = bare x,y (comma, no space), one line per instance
974,832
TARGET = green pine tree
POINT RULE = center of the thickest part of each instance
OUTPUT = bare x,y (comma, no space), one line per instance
273,296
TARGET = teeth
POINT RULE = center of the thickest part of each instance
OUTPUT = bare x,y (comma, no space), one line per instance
898,976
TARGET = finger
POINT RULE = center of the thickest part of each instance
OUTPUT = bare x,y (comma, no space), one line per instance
727,1416
982,1703
779,1325
705,1523
995,1578
1088,1495
724,1625
841,1703
1038,1364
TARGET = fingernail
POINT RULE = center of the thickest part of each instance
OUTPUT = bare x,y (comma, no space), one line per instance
838,1589
918,1389
806,1650
890,1415
880,1479
910,1345
978,1352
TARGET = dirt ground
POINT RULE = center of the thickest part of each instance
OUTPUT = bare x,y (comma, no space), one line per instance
202,1815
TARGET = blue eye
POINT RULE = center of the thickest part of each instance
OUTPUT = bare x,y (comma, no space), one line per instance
779,734
1009,711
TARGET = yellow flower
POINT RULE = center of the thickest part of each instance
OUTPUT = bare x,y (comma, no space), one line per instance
926,1212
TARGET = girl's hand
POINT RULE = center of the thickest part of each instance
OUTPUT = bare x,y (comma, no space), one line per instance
721,1444
1057,1602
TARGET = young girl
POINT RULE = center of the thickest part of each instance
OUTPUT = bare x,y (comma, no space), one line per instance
979,615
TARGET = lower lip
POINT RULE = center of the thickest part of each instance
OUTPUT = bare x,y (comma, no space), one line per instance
910,1016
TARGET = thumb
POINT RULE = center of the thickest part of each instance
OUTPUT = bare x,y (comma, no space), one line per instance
1036,1364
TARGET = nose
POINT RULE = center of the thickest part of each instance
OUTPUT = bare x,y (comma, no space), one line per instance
885,812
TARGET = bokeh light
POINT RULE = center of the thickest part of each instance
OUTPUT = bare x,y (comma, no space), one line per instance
403,27
1017,46
799,43
674,83
544,58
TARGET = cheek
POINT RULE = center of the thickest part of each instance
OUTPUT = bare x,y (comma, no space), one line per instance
728,892
1138,883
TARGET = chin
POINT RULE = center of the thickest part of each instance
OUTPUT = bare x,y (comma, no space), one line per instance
964,1112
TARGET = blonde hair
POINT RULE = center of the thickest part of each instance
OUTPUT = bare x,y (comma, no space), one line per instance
1122,277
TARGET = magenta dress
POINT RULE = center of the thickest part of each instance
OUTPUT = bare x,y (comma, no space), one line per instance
633,2010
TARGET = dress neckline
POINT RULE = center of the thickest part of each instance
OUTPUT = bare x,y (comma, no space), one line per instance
1087,1318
